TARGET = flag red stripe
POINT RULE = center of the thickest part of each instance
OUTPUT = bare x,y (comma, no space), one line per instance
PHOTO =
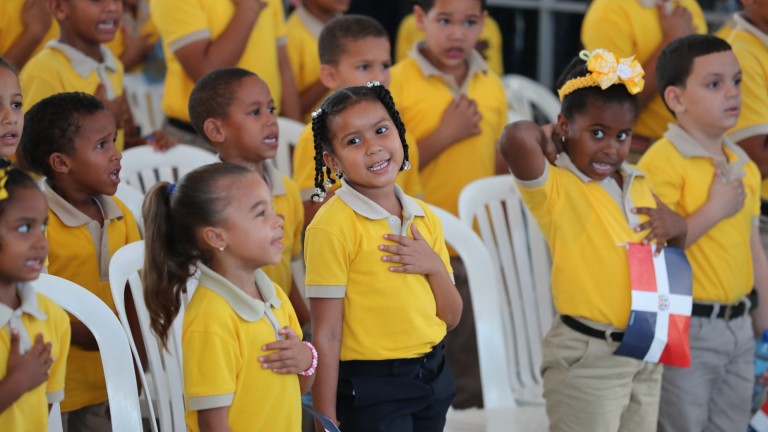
676,352
642,274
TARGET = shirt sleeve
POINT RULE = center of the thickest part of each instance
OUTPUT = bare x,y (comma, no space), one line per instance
39,83
210,369
56,375
328,260
180,22
278,14
605,26
753,120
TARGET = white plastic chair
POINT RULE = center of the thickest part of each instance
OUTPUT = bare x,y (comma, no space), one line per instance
523,94
520,259
133,199
143,167
113,347
144,100
500,412
290,131
164,366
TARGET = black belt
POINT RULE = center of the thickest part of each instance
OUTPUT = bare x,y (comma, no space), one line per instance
584,329
726,312
181,124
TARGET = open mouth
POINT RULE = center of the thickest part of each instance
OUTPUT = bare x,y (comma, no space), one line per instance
379,166
10,138
602,168
107,25
454,53
35,264
114,175
271,140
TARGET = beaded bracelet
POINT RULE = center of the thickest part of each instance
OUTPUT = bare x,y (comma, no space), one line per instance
311,370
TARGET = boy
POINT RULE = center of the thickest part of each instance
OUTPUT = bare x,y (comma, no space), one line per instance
303,29
25,27
701,174
234,111
456,109
642,28
202,35
354,50
70,139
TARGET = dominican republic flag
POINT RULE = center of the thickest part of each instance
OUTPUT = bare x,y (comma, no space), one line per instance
759,422
661,306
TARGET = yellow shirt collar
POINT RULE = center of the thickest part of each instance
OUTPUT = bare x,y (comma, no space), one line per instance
476,64
81,63
12,317
247,307
73,217
369,209
732,167
313,25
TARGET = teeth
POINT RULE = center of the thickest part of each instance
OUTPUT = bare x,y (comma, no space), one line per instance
379,165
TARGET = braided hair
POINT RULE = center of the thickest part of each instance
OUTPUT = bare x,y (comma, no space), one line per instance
334,105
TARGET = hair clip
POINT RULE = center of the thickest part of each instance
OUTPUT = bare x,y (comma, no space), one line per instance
328,183
373,83
316,113
319,195
170,189
606,69
3,179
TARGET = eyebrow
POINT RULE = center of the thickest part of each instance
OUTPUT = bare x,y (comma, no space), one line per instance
258,204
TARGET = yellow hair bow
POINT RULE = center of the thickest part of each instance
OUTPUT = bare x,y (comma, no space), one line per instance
3,179
606,70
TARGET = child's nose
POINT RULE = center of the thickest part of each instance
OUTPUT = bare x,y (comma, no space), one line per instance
7,117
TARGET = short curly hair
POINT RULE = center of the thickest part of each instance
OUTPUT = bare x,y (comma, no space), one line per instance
52,125
213,95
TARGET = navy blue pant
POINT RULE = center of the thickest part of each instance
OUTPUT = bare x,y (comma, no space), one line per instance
395,395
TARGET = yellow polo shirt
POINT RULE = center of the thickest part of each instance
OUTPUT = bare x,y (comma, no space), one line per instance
11,27
222,335
304,166
181,22
80,250
62,68
303,31
586,224
631,27
387,315
37,314
287,203
422,93
750,46
408,34
681,172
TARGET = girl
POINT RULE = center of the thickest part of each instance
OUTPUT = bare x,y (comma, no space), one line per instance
34,332
587,201
219,219
11,115
379,311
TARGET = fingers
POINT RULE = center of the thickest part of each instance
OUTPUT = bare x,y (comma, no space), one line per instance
101,92
289,333
15,341
415,232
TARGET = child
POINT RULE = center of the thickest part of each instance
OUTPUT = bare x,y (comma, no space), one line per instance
219,219
749,39
354,50
31,369
701,174
456,109
11,114
70,139
575,199
202,35
642,28
303,29
25,27
234,111
378,325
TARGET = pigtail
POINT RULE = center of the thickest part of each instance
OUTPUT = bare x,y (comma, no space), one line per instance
385,97
319,133
167,261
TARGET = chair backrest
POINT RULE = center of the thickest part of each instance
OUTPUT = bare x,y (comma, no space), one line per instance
143,167
163,366
122,393
133,199
525,94
486,294
290,131
520,258
144,100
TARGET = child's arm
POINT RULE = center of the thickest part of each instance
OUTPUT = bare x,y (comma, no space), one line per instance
666,226
83,338
213,420
726,198
460,120
289,100
526,147
200,57
292,357
36,20
326,335
760,268
416,256
24,372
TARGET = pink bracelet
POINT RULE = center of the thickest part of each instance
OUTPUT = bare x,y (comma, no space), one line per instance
313,367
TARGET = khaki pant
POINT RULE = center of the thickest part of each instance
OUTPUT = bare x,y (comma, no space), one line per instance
715,393
589,389
92,418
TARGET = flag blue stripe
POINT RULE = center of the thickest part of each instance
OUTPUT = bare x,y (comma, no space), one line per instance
678,271
640,333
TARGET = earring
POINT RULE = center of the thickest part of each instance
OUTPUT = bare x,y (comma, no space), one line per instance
328,183
406,165
339,174
562,139
221,248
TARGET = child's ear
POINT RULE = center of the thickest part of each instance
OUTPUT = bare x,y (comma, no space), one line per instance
330,161
419,14
213,130
673,96
59,163
328,76
58,9
214,237
562,125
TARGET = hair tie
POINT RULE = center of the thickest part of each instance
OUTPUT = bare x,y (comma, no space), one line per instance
316,113
606,69
170,189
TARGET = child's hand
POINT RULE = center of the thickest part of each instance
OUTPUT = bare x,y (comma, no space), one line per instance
31,369
726,197
117,106
415,255
665,225
461,119
255,6
160,141
292,356
675,21
36,17
551,142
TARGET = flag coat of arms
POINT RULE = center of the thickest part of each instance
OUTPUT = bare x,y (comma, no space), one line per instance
759,422
658,326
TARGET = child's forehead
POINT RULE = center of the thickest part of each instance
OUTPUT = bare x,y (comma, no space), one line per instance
251,89
369,46
719,63
456,7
